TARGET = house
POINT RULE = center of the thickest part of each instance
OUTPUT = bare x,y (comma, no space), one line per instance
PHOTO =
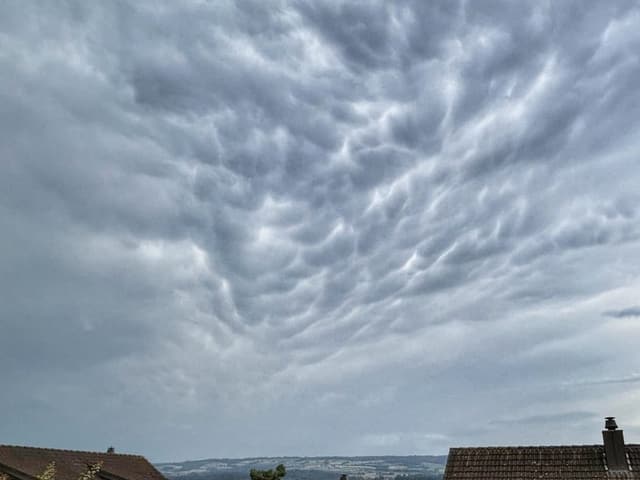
26,463
611,460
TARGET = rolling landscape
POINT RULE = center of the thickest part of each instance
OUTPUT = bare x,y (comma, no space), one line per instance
414,467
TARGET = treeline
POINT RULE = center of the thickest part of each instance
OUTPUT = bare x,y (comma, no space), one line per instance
413,476
420,476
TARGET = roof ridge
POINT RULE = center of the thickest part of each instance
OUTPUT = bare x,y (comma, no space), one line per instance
537,446
520,447
2,445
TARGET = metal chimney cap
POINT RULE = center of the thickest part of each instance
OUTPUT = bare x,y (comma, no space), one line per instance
610,423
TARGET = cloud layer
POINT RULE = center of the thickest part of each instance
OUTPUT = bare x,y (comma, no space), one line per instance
318,227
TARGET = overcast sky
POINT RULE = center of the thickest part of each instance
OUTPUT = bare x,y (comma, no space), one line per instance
310,227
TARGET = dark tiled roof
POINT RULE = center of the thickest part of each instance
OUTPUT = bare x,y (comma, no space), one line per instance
585,462
70,463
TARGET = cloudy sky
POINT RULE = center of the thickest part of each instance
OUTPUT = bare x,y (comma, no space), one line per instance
313,227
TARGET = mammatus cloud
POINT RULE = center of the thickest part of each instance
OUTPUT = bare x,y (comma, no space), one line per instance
370,227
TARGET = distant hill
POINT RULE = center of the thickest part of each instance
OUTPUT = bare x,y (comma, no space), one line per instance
414,467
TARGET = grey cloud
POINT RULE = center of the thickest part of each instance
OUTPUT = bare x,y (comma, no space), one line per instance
633,378
623,313
560,418
214,214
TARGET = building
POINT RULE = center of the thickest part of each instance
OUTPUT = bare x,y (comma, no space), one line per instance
611,460
26,463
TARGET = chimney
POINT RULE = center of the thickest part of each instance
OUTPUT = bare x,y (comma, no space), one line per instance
614,445
111,450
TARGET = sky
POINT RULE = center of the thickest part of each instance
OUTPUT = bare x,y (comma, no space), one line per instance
318,228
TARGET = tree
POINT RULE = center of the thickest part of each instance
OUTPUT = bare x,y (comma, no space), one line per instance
276,474
49,472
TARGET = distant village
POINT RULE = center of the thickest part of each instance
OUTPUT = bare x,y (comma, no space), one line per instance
313,468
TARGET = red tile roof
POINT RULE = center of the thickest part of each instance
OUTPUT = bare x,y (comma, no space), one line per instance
70,464
584,462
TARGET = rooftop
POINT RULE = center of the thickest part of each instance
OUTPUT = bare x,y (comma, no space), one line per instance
20,462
